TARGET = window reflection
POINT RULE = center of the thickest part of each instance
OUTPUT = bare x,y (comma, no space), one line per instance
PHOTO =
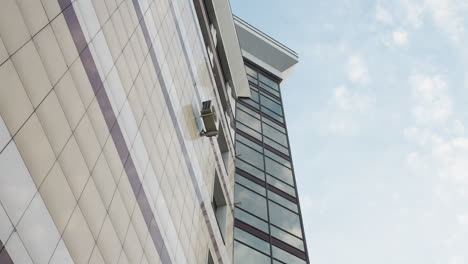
284,219
251,202
275,135
279,171
253,157
244,255
252,241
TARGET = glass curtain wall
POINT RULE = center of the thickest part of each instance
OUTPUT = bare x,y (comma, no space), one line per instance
268,225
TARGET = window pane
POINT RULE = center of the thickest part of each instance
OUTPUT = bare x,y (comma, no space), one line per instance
252,79
279,171
269,89
266,80
249,155
249,131
251,202
248,111
251,220
250,184
271,105
275,135
285,219
286,257
248,142
252,240
274,125
287,238
244,254
281,185
251,103
254,95
272,114
276,146
251,71
279,159
284,202
250,169
249,120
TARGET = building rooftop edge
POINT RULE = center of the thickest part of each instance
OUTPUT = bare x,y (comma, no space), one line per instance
279,45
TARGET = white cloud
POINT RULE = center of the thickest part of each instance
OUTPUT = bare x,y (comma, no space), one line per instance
344,109
400,37
414,12
382,15
357,70
433,105
447,16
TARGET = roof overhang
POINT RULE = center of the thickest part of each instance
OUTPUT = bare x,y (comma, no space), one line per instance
228,47
264,51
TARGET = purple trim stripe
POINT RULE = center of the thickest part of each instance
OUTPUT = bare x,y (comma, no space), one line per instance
180,138
114,127
4,256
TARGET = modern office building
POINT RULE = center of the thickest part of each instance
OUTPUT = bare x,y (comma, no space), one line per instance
118,135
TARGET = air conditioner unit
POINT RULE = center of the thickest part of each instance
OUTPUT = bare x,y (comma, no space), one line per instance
210,120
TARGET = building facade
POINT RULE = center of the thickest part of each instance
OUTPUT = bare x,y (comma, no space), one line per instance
107,149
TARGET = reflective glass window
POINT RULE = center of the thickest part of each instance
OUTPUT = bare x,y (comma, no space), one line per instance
249,131
268,81
284,202
253,157
254,95
249,120
284,219
286,257
248,111
274,125
251,220
279,171
252,79
252,240
279,159
243,254
250,169
270,104
276,146
248,142
251,71
250,184
275,134
251,202
272,114
281,185
287,238
269,89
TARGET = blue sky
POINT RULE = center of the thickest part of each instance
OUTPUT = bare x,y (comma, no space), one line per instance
378,122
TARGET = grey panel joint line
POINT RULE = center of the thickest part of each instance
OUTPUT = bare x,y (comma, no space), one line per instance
115,130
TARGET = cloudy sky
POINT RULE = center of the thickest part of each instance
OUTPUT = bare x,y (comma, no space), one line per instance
377,111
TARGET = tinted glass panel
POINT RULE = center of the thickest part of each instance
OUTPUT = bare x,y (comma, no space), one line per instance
269,89
287,238
279,159
244,254
248,142
249,155
252,79
250,169
274,125
286,257
275,135
251,220
272,114
252,241
251,71
254,95
248,111
281,185
276,146
249,120
268,81
249,131
284,202
251,202
271,105
279,171
285,219
250,184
